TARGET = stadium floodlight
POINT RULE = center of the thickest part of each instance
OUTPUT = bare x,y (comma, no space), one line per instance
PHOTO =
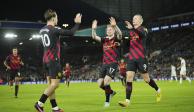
36,36
10,35
65,25
21,43
126,37
86,41
30,38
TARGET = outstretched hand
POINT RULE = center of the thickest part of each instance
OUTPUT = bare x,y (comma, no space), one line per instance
112,21
129,26
94,24
78,18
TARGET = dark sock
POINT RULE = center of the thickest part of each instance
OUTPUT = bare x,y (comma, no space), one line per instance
43,98
153,84
53,103
16,90
11,83
129,88
108,91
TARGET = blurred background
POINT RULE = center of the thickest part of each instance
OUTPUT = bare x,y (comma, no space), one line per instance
170,24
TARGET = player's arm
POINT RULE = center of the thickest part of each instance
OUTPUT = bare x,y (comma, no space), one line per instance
94,35
117,30
77,21
142,32
21,62
180,66
6,64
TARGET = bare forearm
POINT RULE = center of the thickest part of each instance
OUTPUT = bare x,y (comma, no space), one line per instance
118,32
94,33
5,63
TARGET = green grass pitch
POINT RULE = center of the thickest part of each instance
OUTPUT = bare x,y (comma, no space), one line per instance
87,97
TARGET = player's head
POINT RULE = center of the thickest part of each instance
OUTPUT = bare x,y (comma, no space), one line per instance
122,60
67,64
180,58
110,31
15,51
51,16
137,20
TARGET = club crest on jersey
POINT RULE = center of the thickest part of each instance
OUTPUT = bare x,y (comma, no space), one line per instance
110,45
134,36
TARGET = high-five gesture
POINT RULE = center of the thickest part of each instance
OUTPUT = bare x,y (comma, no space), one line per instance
94,24
94,35
112,21
78,18
129,26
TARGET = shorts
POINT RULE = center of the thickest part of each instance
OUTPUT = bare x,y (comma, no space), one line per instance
108,69
140,64
173,74
183,72
123,74
53,69
13,74
67,76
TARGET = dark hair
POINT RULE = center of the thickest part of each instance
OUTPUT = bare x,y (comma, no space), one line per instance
49,14
14,48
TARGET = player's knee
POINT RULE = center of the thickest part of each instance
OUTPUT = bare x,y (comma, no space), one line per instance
147,79
54,85
129,78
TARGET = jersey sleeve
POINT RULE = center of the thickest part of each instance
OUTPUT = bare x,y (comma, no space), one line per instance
60,31
102,40
7,60
142,32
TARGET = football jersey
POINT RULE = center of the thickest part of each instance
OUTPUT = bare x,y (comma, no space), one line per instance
50,36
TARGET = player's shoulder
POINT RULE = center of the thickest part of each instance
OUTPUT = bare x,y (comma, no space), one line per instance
143,28
9,56
44,29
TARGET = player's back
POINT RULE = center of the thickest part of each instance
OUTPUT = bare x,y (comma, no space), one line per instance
51,43
183,63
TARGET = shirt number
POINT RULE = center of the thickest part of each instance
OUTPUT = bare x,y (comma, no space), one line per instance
45,40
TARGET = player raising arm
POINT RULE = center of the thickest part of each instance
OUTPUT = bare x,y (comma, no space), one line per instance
51,57
110,57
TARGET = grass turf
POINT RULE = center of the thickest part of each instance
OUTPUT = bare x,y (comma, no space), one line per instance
87,97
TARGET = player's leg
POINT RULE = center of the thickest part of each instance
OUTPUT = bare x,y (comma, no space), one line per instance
122,79
68,81
187,78
48,92
153,84
11,78
111,70
143,69
17,79
55,75
181,79
108,90
101,77
52,96
129,88
171,78
101,83
175,78
131,69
